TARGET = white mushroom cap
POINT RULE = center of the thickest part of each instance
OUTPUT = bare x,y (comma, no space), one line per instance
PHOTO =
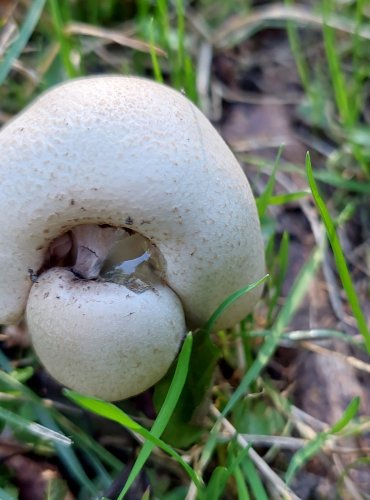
131,153
140,339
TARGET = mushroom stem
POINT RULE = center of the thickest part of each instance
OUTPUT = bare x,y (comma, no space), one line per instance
92,245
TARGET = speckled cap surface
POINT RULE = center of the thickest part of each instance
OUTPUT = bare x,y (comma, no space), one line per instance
128,152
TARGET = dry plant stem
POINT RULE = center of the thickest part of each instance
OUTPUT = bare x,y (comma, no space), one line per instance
350,485
245,97
225,36
109,36
345,450
305,425
193,491
262,466
199,25
351,360
203,76
282,442
274,450
7,36
291,443
309,424
28,73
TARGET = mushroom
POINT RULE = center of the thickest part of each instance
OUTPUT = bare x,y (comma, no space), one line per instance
89,167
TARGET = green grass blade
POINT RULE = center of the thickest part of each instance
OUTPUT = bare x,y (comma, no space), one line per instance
111,412
278,279
241,487
315,445
165,412
217,483
282,199
104,409
303,455
334,65
239,458
87,443
295,46
331,177
33,15
359,77
66,454
162,15
46,418
263,201
292,301
153,54
229,301
65,46
336,179
340,260
5,363
347,103
4,495
180,56
254,479
221,475
33,428
349,413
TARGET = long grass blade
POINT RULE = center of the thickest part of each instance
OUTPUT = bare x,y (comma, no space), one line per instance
315,445
112,412
229,301
264,200
37,430
292,302
254,479
45,417
165,412
340,260
25,32
65,46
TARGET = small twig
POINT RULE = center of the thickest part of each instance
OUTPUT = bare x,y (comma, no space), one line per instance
283,442
244,97
203,76
262,466
351,360
112,36
193,491
311,424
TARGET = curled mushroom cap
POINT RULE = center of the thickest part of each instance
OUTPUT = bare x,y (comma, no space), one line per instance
87,160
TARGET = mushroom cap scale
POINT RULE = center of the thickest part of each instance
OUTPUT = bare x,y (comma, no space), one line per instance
129,153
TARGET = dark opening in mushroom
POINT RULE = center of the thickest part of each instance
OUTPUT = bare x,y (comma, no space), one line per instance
94,251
